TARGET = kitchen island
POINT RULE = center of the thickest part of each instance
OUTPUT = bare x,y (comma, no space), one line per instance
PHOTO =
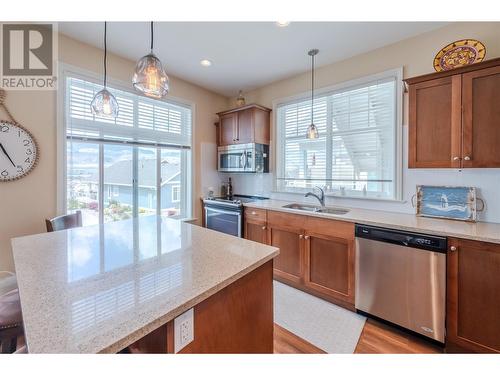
105,288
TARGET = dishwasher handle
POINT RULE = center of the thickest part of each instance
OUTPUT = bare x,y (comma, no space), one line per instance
402,238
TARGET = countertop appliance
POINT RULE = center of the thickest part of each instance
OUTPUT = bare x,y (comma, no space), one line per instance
247,158
401,278
226,214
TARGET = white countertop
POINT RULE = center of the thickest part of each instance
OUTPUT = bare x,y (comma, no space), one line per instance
488,232
100,288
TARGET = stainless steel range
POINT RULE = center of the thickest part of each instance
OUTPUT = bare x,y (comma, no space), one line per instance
226,214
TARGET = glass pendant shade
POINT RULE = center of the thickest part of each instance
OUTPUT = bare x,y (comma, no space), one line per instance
104,104
312,132
150,77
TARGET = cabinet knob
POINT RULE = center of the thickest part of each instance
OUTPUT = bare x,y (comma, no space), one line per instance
453,248
264,227
467,158
253,213
456,158
301,236
306,237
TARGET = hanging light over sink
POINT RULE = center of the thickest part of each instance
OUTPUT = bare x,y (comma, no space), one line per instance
312,130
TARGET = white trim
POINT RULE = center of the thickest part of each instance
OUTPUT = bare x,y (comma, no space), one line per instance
65,70
398,167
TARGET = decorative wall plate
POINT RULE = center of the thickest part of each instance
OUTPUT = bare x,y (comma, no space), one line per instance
460,53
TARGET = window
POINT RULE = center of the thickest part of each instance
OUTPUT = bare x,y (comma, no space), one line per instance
176,193
124,167
357,150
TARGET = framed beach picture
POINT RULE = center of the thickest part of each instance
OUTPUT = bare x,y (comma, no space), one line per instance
448,202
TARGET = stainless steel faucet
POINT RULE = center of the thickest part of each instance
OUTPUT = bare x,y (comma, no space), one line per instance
321,198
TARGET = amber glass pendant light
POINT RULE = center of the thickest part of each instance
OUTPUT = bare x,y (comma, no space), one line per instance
150,78
104,103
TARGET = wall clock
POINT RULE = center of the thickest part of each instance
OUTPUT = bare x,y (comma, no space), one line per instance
18,151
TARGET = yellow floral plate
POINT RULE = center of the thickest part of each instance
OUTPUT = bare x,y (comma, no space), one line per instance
460,53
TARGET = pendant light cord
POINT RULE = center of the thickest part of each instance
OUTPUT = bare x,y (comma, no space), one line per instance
105,53
151,36
312,90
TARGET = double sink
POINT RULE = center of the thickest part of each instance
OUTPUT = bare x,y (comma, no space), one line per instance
318,209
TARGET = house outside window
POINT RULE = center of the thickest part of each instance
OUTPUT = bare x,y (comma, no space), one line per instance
121,168
176,193
359,146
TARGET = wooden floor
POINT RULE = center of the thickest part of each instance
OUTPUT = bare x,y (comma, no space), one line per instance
375,338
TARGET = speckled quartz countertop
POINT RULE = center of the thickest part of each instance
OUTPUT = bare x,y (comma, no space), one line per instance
488,232
100,288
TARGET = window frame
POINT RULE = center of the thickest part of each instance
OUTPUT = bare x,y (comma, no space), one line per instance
174,188
397,73
67,70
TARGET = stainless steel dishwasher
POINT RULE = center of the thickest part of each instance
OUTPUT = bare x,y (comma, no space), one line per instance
401,278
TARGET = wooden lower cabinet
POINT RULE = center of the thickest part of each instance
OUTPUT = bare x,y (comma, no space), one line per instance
473,296
316,255
329,259
255,231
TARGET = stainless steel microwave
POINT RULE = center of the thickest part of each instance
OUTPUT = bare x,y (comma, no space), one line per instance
248,158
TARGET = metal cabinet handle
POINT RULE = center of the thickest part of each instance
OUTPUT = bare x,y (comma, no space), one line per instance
254,213
456,158
301,236
306,237
453,248
466,158
264,227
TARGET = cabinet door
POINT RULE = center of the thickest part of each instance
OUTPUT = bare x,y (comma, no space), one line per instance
481,118
245,128
473,296
289,264
435,123
329,265
227,129
255,231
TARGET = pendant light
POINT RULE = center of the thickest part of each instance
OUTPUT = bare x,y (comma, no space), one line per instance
150,78
104,103
312,130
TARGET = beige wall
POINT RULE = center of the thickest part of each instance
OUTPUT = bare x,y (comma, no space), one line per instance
24,204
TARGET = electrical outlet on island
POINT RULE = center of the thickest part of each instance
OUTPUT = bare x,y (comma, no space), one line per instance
183,330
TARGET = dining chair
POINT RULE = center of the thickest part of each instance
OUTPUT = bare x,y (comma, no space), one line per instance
64,222
11,321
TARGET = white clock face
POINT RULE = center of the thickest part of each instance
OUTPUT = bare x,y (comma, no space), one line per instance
18,151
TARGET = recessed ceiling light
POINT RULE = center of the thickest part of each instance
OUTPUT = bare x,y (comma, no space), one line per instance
205,62
283,23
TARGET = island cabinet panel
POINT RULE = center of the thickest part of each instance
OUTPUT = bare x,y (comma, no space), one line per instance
435,123
481,118
285,232
473,296
237,319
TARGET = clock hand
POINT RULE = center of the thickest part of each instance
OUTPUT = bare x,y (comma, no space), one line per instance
6,154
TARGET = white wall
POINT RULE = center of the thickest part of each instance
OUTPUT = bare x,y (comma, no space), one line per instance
415,55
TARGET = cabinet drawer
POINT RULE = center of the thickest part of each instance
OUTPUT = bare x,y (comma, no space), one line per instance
329,227
255,214
285,220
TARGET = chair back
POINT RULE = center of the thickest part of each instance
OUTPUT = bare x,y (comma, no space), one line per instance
64,222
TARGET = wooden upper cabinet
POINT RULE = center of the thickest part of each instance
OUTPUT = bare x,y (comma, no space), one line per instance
227,128
454,117
481,118
473,296
434,128
248,124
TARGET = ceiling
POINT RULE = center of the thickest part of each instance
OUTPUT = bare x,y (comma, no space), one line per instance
244,55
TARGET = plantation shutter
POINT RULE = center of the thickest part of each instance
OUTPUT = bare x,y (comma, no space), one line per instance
140,120
355,152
